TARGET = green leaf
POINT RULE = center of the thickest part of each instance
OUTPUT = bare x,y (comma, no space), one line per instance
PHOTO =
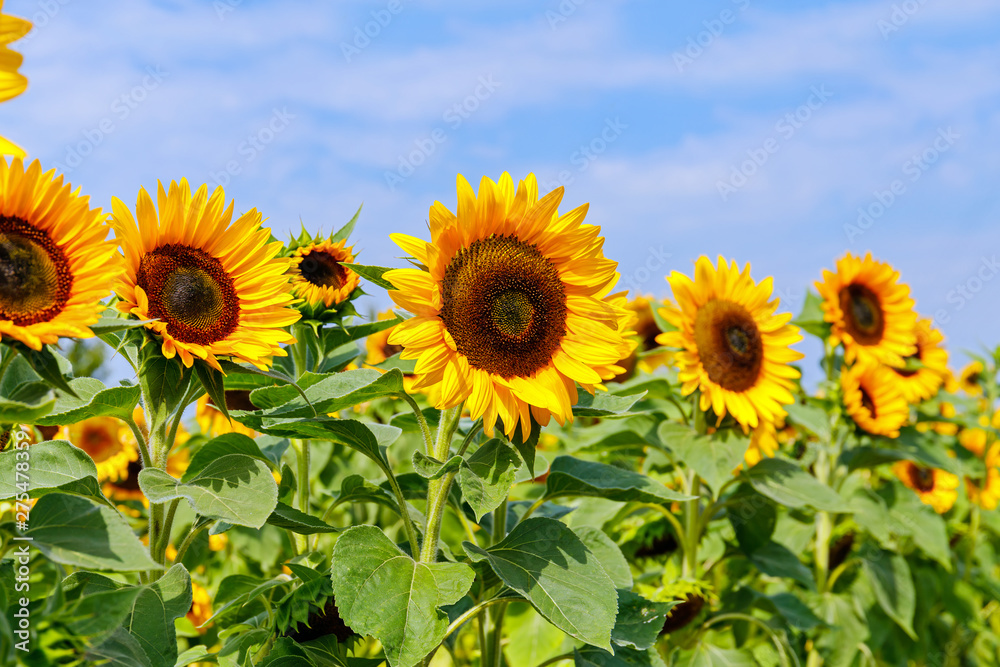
214,383
92,399
112,324
893,586
365,438
120,649
813,418
795,611
55,465
24,412
430,468
156,608
382,592
605,404
623,657
811,318
713,457
639,620
487,476
787,484
46,364
371,273
327,393
165,379
526,447
284,516
334,337
569,476
928,528
234,488
777,560
545,561
346,230
219,446
74,531
608,555
707,655
356,489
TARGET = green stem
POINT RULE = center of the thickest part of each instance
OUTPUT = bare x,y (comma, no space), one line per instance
496,638
558,658
691,523
300,352
824,525
425,430
670,518
411,532
189,540
168,524
302,477
474,611
141,439
437,489
973,534
500,522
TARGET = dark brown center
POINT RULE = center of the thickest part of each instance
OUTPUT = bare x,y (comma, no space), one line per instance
190,291
322,269
98,441
504,305
868,404
863,317
648,331
130,481
237,399
35,277
921,478
729,344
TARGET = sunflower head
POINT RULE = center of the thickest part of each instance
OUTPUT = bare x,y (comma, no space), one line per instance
12,83
972,378
55,264
512,307
733,348
926,369
763,443
935,487
870,311
873,400
319,278
109,443
214,287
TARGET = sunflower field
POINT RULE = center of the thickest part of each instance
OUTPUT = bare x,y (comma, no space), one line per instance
517,465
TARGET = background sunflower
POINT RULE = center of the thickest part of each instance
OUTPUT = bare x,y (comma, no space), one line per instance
931,371
12,83
873,400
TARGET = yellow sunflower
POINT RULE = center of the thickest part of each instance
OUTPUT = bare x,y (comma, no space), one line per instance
975,440
201,606
318,275
870,311
921,383
12,83
513,309
211,420
110,443
986,492
214,288
763,443
971,379
648,355
733,346
873,400
55,265
935,487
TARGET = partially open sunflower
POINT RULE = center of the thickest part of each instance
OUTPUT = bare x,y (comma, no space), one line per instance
733,348
921,383
873,400
971,378
215,288
512,307
318,274
12,83
55,264
935,487
870,311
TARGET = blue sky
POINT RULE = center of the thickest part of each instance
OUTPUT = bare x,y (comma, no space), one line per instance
755,130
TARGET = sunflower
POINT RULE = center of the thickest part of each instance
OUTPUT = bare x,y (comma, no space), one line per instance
55,266
975,440
870,311
921,383
512,308
201,605
648,355
211,420
733,347
12,83
110,443
971,379
763,443
213,288
986,492
935,487
873,400
318,274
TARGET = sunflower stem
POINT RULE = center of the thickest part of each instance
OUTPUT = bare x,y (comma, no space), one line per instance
196,528
425,430
168,524
302,477
141,439
824,525
437,489
691,522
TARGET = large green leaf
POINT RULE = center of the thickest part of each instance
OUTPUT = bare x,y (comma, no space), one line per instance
487,476
156,608
14,411
569,476
369,439
545,561
893,586
777,560
299,522
787,484
327,393
371,273
54,465
92,399
639,620
384,593
713,457
74,531
166,379
111,324
234,488
227,443
608,555
624,657
604,404
708,655
813,418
